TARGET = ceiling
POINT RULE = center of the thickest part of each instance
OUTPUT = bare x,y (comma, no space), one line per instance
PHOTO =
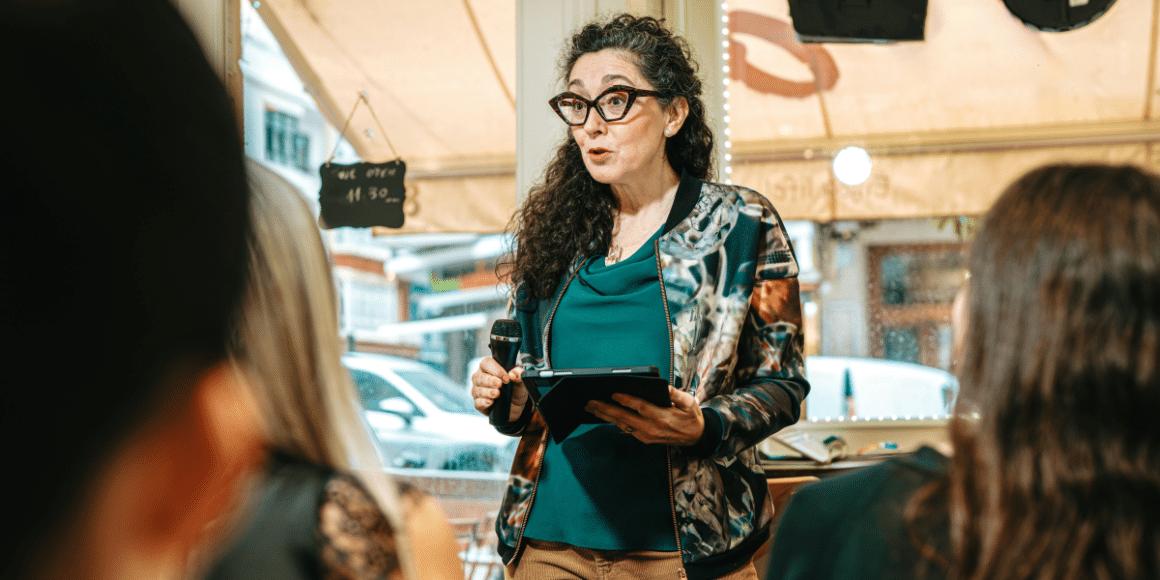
947,120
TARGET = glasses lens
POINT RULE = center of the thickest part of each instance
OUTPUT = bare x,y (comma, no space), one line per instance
572,109
614,104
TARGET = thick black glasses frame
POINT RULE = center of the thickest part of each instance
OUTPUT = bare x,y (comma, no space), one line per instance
633,92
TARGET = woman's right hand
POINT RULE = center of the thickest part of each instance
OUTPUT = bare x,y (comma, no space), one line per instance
485,384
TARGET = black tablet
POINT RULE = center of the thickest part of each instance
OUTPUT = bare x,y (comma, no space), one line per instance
561,394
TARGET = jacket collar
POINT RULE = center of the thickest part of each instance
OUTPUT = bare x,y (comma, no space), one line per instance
687,193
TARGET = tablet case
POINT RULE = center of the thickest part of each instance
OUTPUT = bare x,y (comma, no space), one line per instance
569,390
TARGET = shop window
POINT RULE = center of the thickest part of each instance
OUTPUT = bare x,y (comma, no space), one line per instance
911,291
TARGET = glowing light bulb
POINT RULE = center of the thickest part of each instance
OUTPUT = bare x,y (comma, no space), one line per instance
852,165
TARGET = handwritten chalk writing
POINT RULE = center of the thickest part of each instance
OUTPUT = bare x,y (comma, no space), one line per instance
346,174
378,193
381,172
356,194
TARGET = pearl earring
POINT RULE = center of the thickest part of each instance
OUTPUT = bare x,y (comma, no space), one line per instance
668,132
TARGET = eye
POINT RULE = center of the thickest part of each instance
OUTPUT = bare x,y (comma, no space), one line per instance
570,105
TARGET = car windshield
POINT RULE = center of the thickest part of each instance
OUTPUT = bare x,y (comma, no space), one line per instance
372,389
441,390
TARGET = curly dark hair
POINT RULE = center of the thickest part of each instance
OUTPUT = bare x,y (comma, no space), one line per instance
568,213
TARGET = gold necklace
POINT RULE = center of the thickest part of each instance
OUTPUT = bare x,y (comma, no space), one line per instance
615,251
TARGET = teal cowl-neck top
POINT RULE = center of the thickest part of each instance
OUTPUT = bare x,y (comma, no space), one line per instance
601,488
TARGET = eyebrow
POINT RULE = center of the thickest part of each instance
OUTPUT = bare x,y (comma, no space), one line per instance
606,80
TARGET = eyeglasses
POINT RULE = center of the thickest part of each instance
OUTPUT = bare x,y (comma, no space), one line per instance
612,105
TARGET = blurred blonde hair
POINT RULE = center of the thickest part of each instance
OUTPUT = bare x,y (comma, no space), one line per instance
287,341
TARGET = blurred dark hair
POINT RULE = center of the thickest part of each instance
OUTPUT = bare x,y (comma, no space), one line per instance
126,240
1059,477
569,213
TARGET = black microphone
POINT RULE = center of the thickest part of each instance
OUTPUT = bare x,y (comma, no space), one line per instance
505,348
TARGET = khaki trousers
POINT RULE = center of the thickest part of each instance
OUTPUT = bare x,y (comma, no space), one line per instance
555,561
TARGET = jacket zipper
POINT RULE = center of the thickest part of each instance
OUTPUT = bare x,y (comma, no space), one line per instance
543,437
672,376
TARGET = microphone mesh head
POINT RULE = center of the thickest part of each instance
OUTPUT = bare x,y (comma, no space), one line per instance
506,327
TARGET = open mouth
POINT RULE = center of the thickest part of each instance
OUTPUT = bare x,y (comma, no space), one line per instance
598,153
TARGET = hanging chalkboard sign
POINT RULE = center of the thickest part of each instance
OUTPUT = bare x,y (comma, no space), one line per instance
362,195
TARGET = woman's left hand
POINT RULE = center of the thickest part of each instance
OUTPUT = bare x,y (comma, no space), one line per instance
680,425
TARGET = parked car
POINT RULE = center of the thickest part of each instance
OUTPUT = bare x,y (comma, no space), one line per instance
423,419
872,388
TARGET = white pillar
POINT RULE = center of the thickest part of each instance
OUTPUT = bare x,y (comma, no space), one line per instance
218,27
542,27
701,22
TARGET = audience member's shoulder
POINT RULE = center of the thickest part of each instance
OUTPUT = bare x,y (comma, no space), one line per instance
899,474
851,525
358,541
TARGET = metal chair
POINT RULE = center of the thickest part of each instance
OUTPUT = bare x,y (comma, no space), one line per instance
477,547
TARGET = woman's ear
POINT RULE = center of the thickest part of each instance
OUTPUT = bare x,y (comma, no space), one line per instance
676,113
233,447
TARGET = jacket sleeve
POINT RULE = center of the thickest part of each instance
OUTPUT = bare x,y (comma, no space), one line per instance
769,374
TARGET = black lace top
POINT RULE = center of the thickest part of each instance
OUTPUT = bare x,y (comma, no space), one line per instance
311,523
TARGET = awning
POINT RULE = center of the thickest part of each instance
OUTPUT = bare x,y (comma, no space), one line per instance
439,76
948,121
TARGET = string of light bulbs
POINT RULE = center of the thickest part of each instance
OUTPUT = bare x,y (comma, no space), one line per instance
728,170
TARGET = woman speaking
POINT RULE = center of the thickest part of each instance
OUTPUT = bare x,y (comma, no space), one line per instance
625,255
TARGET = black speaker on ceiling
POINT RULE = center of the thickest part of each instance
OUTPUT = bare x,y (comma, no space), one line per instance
858,20
1058,15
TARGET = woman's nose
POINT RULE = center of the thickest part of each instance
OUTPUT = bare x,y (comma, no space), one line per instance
594,124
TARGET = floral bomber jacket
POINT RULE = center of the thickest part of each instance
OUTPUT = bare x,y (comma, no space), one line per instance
729,288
